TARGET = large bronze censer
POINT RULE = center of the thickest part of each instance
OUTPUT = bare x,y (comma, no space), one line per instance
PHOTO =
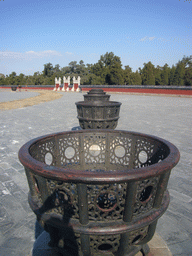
99,191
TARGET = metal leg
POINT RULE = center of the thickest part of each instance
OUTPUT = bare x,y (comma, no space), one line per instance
145,250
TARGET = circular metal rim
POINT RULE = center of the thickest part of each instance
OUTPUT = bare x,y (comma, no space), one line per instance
71,175
98,120
98,103
96,91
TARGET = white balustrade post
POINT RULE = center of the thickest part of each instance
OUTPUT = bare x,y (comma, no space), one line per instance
58,88
76,83
66,83
56,84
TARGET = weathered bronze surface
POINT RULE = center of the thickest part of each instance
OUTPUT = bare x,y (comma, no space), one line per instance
13,88
99,192
97,112
96,95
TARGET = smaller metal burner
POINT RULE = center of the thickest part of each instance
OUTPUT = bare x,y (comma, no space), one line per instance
97,112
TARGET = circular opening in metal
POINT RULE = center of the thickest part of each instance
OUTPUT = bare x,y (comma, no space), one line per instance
69,152
48,158
137,239
94,150
106,201
105,247
146,194
119,151
143,157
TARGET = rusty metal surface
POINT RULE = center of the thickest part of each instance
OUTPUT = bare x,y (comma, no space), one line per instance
106,188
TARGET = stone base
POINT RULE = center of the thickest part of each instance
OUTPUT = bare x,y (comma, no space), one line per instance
158,247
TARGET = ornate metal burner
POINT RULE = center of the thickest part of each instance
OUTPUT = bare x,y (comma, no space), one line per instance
97,112
14,88
99,192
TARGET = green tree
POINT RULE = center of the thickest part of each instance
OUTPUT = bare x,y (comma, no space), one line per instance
109,58
81,69
99,70
188,76
56,69
12,78
29,80
65,71
135,78
114,74
92,79
127,75
188,70
38,78
72,66
110,68
171,75
89,67
48,69
158,73
179,74
2,79
148,74
165,74
49,80
81,63
21,79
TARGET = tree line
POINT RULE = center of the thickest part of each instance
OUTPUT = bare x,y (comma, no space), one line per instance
108,71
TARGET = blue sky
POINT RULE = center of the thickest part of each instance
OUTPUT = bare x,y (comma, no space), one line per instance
35,32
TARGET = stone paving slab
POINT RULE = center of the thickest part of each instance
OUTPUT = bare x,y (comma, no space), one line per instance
167,117
158,247
16,95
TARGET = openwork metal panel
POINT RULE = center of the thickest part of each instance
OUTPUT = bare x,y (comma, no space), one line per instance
148,152
120,150
64,195
138,235
145,196
44,151
96,98
109,244
100,244
68,150
97,124
106,202
98,114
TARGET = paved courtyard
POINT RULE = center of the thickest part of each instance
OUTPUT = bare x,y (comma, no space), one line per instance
167,117
18,95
